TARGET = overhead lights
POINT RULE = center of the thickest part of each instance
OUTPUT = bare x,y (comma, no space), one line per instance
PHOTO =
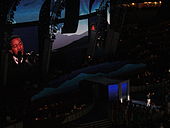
133,4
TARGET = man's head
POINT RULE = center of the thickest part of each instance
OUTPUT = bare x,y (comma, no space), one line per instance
16,45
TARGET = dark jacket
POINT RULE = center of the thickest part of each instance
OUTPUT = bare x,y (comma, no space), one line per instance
21,69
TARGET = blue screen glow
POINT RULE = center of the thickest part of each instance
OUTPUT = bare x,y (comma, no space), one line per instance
124,89
113,91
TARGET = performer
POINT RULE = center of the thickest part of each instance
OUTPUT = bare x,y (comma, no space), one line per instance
17,53
20,63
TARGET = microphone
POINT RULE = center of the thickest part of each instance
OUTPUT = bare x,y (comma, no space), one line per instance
19,56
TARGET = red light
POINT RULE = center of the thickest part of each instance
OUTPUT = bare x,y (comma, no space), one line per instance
93,28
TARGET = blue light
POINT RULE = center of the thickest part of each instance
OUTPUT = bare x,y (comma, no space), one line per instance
28,10
113,91
84,6
124,89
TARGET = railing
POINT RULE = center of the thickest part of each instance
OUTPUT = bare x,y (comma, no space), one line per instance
77,115
105,123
